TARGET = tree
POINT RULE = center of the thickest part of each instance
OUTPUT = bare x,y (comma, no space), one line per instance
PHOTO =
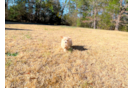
93,12
6,9
119,8
102,14
121,12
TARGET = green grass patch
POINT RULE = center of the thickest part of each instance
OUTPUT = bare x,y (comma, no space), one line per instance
68,27
28,36
70,49
8,63
11,54
13,37
45,29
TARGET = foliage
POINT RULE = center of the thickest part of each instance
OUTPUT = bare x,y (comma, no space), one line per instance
15,12
102,14
105,21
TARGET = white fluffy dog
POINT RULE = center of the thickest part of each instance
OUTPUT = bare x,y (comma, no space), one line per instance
66,43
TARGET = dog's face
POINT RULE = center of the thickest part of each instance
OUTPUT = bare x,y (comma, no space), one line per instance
65,40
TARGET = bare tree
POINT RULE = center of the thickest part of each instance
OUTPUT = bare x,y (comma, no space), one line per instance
122,11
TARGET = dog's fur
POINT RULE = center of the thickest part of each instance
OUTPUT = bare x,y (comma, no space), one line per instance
66,43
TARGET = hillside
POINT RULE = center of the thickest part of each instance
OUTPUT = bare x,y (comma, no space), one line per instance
34,58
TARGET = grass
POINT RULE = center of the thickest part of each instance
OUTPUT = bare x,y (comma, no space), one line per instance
11,54
28,36
68,26
45,29
41,63
70,50
8,63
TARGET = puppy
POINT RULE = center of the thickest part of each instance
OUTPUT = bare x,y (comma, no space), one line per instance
66,43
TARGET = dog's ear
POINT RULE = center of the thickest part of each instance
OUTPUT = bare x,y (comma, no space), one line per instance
61,36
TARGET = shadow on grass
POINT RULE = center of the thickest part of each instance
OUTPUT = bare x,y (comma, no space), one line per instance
40,23
80,48
17,29
16,22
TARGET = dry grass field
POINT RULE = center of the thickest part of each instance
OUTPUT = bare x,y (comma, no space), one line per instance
34,58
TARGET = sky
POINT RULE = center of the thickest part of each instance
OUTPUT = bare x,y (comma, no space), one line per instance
65,10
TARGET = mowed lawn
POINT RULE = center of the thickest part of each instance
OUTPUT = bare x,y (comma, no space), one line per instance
34,58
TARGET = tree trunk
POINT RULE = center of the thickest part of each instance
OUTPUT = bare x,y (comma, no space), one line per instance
118,17
76,15
6,7
94,13
36,12
117,22
6,4
95,18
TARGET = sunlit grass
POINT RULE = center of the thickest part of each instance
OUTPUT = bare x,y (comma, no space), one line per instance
41,63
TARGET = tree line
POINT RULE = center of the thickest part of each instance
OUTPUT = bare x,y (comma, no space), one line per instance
97,14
